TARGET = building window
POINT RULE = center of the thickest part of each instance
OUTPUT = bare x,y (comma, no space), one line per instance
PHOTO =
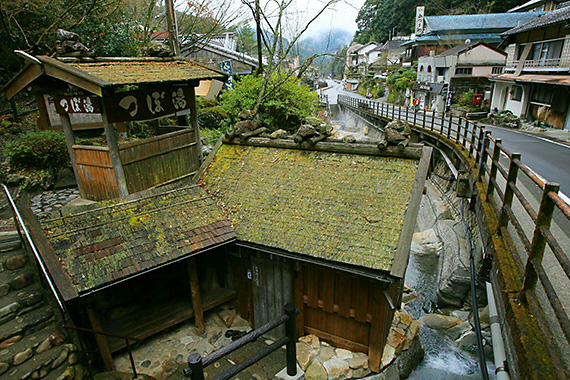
497,70
516,93
542,94
429,69
421,68
464,71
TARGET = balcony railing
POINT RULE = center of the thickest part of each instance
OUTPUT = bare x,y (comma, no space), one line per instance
538,63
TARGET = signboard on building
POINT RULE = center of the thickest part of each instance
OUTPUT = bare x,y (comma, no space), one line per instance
419,30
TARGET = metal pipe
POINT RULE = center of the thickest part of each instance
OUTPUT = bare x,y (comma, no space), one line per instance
496,336
33,247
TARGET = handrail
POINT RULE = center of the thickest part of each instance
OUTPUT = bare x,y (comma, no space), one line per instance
126,338
20,224
472,141
196,363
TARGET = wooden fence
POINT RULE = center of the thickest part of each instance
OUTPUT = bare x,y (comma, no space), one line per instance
146,163
519,236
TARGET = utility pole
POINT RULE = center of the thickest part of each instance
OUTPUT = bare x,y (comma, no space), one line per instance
172,27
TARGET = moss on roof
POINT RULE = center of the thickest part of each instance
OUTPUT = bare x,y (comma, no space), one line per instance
347,208
115,239
132,72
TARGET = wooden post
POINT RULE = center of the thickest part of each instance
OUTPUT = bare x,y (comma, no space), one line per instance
376,341
480,141
196,297
114,153
298,297
493,171
484,145
101,340
538,244
432,120
465,134
70,140
508,194
472,143
194,123
450,125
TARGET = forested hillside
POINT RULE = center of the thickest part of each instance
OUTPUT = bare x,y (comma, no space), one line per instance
378,19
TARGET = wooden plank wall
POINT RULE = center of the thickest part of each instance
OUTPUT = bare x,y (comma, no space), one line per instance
159,159
95,172
347,310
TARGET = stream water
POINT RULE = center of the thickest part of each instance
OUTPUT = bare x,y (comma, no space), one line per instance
442,360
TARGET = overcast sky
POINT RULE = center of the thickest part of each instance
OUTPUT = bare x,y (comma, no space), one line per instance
341,15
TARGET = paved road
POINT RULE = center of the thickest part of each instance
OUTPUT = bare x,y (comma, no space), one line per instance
336,89
549,159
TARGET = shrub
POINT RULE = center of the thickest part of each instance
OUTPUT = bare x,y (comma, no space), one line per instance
212,117
286,107
38,150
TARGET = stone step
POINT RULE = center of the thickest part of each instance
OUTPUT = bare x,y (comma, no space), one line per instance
15,280
49,364
9,243
26,324
18,303
13,259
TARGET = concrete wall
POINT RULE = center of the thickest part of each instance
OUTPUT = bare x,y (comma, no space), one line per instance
502,98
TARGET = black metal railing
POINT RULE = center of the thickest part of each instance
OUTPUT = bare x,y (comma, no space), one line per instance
196,363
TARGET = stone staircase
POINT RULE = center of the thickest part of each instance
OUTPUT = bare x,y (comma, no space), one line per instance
32,343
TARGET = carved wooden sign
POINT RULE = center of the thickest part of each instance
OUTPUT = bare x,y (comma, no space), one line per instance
77,104
147,104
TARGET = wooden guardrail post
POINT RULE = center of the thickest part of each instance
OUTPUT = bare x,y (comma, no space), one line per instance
480,141
508,194
399,113
407,113
450,125
465,134
458,135
472,143
432,120
415,115
493,172
424,119
538,244
482,153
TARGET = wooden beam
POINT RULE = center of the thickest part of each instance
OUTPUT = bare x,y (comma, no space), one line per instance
114,153
194,122
22,80
70,141
403,249
196,297
299,299
69,74
101,340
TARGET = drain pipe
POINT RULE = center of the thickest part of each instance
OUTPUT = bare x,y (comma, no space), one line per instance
497,337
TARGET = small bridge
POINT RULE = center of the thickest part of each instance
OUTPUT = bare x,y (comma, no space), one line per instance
526,239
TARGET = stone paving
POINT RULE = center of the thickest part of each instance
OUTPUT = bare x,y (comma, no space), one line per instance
49,201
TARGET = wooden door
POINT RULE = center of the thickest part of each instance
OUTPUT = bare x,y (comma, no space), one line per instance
272,289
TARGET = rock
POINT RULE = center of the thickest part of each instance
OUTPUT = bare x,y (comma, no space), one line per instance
388,355
72,359
10,341
145,364
60,359
336,368
440,322
21,357
53,340
360,372
203,348
186,340
15,262
327,352
343,354
484,317
305,354
4,367
169,367
311,340
412,333
316,371
314,121
426,243
4,289
9,309
462,314
410,358
306,131
246,115
22,281
279,134
396,339
457,330
358,362
349,139
468,341
406,319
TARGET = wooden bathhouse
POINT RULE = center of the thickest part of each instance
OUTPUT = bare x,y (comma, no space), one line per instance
263,223
105,93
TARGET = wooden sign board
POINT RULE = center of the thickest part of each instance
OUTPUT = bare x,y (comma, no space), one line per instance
77,104
147,104
78,120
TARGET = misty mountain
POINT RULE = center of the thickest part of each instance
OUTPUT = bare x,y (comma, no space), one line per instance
327,42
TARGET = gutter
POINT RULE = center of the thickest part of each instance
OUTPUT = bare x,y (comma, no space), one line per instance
497,337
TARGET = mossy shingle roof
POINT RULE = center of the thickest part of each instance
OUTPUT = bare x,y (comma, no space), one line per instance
137,72
115,239
346,208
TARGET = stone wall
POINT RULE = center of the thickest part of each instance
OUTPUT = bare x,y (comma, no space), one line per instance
32,342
